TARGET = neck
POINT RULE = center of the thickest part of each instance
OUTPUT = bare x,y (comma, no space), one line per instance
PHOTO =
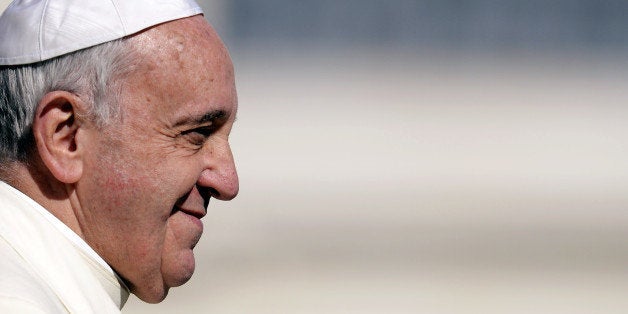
39,184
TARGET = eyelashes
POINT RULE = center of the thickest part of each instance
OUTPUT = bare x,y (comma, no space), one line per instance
198,136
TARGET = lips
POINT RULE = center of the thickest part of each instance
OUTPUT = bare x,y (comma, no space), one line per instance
198,213
186,217
192,203
187,225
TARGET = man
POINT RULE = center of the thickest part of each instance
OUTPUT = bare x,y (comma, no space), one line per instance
115,117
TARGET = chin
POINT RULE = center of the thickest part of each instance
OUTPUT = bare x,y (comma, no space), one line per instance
174,268
183,276
175,272
152,296
178,270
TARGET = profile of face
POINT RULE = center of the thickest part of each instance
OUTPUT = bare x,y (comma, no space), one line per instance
149,177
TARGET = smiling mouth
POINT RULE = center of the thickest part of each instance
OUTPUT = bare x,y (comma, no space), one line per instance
189,204
190,222
195,213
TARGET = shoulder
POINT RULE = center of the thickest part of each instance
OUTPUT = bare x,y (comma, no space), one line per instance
11,304
21,289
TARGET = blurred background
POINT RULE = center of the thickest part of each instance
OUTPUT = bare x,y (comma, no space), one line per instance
421,156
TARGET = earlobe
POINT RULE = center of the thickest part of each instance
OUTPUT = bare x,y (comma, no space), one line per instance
56,130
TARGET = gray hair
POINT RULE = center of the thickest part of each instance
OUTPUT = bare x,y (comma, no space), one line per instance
94,74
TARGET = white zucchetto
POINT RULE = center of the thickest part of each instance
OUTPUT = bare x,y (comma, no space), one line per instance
38,30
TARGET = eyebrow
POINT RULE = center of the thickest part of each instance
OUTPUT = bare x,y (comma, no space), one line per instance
203,118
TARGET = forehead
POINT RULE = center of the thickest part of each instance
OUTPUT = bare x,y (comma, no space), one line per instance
184,69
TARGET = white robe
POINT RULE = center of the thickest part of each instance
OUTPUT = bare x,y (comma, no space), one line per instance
47,268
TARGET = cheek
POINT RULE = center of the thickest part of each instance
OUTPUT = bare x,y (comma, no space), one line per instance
137,195
127,220
133,213
182,234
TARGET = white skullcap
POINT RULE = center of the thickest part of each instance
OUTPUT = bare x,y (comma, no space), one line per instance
38,30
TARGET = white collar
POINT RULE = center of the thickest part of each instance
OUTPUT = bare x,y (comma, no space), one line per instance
101,269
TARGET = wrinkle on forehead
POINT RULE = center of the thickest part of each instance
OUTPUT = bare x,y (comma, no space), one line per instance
184,63
176,44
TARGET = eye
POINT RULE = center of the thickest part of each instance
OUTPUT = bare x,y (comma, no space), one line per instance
198,136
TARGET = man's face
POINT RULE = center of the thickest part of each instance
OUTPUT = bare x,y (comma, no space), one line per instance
147,179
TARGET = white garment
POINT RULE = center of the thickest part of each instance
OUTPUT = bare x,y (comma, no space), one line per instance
47,268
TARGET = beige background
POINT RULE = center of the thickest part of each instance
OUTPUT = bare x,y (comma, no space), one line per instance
376,181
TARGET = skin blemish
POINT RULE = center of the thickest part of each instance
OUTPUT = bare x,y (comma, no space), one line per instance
180,46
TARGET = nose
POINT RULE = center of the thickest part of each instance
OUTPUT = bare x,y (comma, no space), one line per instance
219,175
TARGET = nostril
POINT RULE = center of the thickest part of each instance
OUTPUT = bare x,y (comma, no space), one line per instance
207,193
214,193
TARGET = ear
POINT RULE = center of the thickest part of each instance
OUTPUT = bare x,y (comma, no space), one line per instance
55,129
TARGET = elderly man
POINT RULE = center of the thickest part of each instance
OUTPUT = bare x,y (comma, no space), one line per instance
115,122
